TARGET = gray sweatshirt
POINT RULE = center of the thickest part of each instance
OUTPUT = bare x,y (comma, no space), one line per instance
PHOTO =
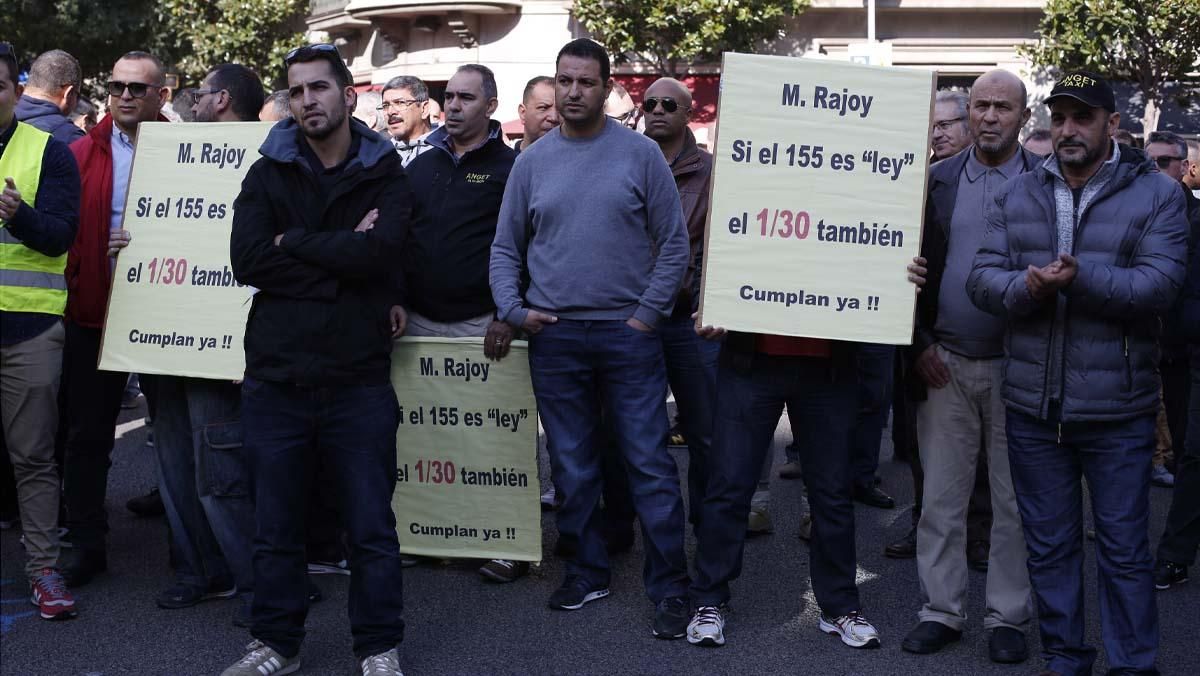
606,238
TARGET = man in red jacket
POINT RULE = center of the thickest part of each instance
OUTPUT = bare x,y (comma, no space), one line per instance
93,397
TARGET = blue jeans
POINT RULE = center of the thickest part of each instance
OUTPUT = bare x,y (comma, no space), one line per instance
1114,457
350,432
749,403
875,366
204,479
692,373
578,368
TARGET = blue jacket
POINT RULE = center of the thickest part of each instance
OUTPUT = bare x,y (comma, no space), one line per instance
46,116
1131,243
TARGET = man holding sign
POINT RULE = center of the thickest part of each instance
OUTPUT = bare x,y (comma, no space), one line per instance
317,229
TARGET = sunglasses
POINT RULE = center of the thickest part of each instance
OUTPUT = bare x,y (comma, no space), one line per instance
1164,161
669,105
9,53
309,50
136,89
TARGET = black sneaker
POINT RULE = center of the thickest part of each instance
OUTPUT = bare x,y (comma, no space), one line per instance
185,596
575,592
150,504
671,617
1167,575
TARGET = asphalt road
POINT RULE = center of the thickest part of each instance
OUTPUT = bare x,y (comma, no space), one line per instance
460,625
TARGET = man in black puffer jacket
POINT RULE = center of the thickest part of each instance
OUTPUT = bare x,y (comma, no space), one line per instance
1082,257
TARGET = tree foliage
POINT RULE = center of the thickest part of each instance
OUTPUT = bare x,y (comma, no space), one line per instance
674,35
254,33
1149,42
97,32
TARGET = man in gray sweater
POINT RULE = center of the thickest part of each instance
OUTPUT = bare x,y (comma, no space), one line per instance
589,254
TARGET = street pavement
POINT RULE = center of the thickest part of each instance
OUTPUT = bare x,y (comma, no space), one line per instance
458,624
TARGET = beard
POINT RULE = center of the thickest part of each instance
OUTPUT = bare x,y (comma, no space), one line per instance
997,146
323,130
1089,154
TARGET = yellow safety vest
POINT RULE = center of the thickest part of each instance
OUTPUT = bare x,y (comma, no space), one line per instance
29,281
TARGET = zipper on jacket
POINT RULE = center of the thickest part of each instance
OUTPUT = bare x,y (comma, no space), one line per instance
1128,366
1060,433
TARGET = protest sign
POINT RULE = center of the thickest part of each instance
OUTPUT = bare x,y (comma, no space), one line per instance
175,308
466,451
817,198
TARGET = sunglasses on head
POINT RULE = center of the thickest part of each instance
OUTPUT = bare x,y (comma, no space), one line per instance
9,53
308,50
669,105
136,89
1164,161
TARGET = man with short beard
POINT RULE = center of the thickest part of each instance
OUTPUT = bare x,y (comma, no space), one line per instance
317,230
1082,256
957,351
406,107
203,477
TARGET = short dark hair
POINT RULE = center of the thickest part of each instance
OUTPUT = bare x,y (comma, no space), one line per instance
1039,134
413,84
83,108
533,83
244,87
137,55
341,73
55,69
1169,137
584,48
10,60
486,75
281,101
1126,137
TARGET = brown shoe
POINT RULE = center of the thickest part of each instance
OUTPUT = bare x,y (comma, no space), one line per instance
904,548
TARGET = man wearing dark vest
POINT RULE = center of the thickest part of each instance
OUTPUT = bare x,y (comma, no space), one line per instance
39,211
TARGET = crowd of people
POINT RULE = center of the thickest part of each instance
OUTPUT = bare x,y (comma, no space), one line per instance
1057,323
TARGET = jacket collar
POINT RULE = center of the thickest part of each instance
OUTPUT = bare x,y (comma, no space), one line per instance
690,159
283,144
440,138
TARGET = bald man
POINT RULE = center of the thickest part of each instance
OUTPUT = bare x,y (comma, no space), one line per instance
958,353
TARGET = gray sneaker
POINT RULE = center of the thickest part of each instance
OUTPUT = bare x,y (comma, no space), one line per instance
264,661
383,664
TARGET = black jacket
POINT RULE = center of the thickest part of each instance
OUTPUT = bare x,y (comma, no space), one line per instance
46,116
939,209
320,316
455,207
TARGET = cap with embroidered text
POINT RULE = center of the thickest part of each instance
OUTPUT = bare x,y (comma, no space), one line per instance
1085,87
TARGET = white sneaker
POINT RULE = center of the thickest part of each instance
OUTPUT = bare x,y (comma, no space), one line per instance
383,664
263,661
854,630
707,627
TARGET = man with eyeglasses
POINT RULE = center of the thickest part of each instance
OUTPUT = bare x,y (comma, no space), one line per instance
604,266
620,106
92,398
39,210
203,478
317,229
950,133
1082,256
406,109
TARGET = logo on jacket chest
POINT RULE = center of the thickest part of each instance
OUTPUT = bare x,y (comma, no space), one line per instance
477,178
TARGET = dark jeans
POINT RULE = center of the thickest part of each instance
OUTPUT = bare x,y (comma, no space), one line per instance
91,403
874,397
579,368
748,407
204,479
1114,457
1181,536
350,432
692,373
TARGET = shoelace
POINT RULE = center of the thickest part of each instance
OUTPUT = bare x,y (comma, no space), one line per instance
382,661
257,652
856,620
708,615
53,584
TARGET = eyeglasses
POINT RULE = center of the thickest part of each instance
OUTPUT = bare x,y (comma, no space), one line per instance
136,89
1164,161
668,104
197,93
398,104
624,117
947,125
307,50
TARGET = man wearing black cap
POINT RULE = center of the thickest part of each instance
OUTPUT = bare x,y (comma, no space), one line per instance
1082,256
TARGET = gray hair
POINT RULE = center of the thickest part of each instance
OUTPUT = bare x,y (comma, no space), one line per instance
959,99
1171,138
281,101
413,84
490,91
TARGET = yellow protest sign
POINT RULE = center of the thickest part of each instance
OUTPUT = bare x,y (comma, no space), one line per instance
466,451
175,308
817,198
